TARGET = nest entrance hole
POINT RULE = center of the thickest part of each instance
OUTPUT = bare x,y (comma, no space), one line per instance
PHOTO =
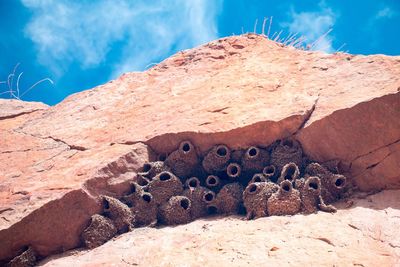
253,188
208,197
147,167
339,182
212,180
252,152
147,197
222,151
164,176
290,171
186,147
286,186
269,170
258,178
185,204
313,185
106,204
193,183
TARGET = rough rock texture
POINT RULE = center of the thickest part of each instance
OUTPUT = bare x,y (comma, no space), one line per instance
11,108
369,236
241,91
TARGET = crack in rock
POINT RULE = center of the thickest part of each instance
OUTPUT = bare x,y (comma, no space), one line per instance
75,147
373,165
307,116
71,147
326,240
379,162
18,114
373,151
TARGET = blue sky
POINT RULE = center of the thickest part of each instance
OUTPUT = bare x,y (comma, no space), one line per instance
82,44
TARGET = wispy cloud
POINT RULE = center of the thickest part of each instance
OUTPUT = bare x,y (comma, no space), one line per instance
84,33
376,22
385,13
313,25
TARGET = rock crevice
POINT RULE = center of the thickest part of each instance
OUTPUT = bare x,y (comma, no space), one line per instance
18,114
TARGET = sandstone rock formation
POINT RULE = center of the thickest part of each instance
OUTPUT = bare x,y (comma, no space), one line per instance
241,91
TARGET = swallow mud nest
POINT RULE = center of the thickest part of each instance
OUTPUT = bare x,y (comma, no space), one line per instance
184,185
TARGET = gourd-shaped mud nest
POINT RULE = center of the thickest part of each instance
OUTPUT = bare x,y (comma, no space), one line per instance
183,186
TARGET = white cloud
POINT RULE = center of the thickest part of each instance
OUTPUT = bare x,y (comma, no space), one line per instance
376,22
84,32
385,13
313,25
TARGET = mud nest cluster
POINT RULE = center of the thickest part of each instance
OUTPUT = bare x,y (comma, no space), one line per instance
183,186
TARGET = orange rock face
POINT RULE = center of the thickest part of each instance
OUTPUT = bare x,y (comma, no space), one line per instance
239,91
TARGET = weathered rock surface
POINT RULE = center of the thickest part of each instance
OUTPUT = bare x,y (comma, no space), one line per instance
240,91
11,108
365,234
